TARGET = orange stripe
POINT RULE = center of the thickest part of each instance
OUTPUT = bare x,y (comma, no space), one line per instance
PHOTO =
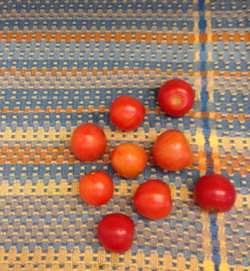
87,36
39,36
107,36
97,36
159,37
58,37
78,36
169,38
202,38
54,71
62,154
33,71
29,36
190,38
128,36
247,37
68,37
118,36
138,37
157,110
148,37
64,71
48,36
19,36
13,70
9,36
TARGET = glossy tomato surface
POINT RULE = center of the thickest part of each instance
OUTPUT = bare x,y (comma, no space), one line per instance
128,160
176,97
126,113
214,193
153,199
116,232
88,142
96,188
171,151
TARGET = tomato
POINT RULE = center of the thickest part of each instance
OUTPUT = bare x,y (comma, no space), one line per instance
116,232
96,188
153,199
176,97
128,160
171,151
88,142
126,113
214,193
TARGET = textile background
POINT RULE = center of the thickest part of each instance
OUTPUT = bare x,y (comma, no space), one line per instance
62,63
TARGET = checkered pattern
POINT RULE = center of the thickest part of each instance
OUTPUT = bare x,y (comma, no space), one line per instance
61,64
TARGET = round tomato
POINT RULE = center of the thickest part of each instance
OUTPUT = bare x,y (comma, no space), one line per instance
116,232
88,142
171,151
96,188
126,113
176,97
128,160
153,199
214,193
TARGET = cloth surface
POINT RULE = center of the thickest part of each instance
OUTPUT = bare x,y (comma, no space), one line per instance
62,63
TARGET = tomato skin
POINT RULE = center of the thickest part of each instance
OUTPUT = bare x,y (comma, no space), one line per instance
214,193
88,142
126,113
176,97
171,151
153,199
96,188
116,232
128,160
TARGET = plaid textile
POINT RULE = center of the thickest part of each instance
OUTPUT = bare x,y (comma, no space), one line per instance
61,64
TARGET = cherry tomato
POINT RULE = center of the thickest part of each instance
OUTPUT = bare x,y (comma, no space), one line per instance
88,142
126,113
214,193
128,160
116,232
153,199
171,151
96,188
176,97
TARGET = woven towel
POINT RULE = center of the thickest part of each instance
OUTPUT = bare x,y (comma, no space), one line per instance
62,63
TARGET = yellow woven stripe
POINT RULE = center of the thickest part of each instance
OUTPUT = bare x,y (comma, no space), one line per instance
52,260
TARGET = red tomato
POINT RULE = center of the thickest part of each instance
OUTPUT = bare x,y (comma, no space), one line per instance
116,232
171,151
176,97
214,193
128,160
88,142
126,113
96,188
153,199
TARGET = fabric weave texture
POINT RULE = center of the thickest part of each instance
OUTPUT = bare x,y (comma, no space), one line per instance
62,63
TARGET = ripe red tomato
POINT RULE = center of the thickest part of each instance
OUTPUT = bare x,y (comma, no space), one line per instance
116,232
96,188
214,193
126,113
88,142
153,199
128,160
176,97
171,151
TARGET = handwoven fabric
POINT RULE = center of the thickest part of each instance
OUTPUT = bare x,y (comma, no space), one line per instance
62,63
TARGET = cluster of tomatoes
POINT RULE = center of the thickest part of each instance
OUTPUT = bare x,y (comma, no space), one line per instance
171,151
